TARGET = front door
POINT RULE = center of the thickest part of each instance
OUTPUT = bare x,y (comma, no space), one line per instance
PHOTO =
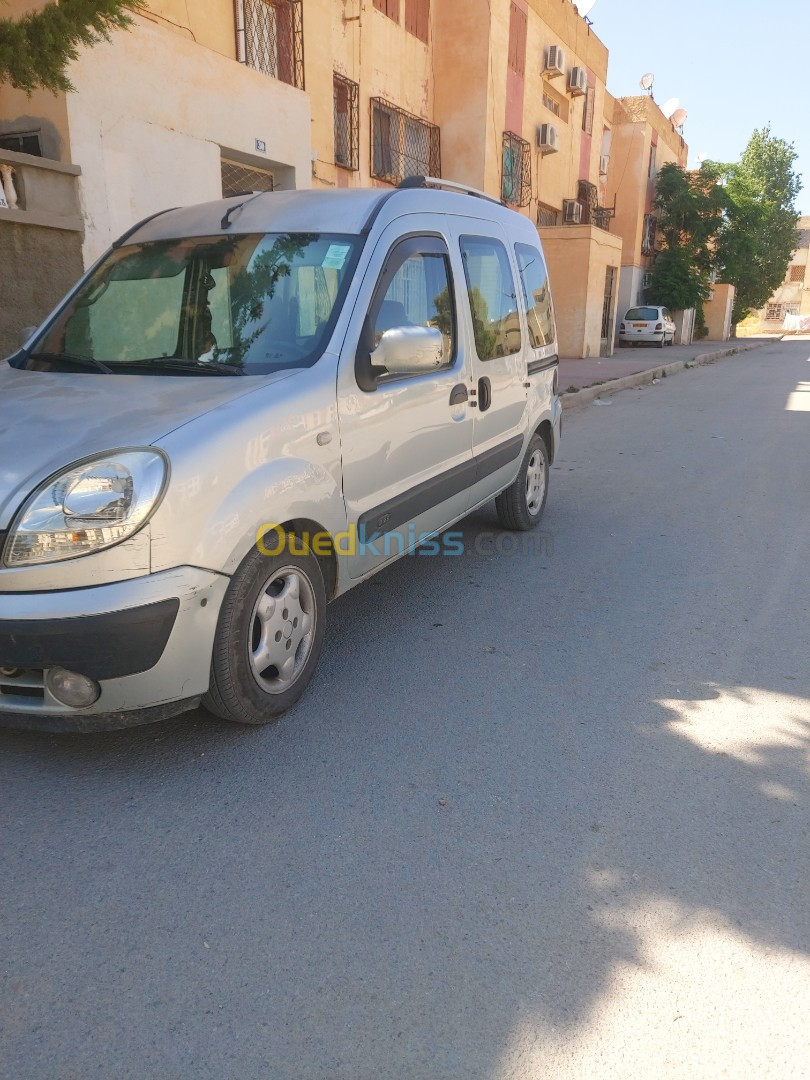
495,330
406,440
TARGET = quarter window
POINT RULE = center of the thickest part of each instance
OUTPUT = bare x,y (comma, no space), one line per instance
493,297
534,279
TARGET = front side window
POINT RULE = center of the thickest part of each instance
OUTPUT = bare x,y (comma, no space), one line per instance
493,297
253,304
536,291
419,294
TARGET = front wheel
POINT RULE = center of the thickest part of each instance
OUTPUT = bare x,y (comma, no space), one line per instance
521,505
269,635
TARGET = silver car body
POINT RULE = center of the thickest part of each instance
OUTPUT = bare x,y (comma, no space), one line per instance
305,446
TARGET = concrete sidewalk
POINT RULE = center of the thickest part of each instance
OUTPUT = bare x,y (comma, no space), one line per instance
581,381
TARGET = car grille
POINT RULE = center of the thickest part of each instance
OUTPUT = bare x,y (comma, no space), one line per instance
25,686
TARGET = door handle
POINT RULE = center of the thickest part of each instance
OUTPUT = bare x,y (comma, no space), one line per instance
458,394
484,393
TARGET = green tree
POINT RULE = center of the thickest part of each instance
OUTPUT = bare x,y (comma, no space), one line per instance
689,208
759,236
35,50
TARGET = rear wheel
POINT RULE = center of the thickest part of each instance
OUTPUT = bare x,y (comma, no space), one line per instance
521,505
269,635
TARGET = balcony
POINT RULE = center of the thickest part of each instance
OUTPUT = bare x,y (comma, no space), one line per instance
38,191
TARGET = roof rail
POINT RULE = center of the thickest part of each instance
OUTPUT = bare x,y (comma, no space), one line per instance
449,185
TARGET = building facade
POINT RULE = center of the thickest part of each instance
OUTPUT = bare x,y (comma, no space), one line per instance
220,96
793,295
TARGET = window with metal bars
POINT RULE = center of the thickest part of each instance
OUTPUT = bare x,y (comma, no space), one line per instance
516,175
402,144
648,236
796,273
347,122
270,38
417,18
547,216
238,178
773,311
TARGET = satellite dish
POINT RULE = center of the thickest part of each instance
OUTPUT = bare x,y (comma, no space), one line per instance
678,118
584,6
669,107
647,81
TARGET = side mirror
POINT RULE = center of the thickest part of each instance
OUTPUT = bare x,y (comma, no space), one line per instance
410,350
26,334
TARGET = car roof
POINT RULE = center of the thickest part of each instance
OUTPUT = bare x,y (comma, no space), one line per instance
348,211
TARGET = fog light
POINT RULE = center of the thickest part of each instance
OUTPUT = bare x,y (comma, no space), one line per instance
71,689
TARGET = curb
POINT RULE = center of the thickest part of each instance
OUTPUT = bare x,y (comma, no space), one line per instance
589,394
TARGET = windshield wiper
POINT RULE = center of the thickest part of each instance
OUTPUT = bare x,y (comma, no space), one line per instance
68,358
190,366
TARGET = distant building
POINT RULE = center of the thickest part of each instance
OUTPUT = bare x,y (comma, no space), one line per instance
793,295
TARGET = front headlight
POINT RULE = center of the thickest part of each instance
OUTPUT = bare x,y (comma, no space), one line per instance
88,507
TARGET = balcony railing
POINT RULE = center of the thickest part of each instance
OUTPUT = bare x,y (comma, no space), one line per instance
38,191
270,38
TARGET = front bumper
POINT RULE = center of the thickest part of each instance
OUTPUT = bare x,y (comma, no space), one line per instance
147,642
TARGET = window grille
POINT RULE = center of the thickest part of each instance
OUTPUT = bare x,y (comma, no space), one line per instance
516,179
600,217
547,216
796,273
402,144
773,311
347,122
238,178
270,38
648,236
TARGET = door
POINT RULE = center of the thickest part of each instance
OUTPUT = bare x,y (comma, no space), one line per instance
493,323
406,440
606,345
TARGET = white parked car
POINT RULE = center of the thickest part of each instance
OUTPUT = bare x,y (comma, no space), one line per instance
243,410
647,324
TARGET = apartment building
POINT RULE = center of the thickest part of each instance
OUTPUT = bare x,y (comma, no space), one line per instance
217,96
793,295
643,140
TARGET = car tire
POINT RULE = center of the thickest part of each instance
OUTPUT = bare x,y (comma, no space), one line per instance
521,505
269,635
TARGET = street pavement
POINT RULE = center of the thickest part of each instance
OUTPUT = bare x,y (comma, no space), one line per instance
541,814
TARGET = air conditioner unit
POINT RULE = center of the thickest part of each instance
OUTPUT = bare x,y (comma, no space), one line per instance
572,212
548,139
577,81
554,60
604,161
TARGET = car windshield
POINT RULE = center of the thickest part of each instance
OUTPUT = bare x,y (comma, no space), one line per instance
643,314
242,304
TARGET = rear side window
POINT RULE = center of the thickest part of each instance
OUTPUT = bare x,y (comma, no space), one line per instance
643,314
539,310
492,295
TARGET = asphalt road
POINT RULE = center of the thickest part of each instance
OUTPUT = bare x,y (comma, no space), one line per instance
541,815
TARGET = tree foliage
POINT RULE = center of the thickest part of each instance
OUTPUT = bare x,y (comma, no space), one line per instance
35,50
689,209
759,236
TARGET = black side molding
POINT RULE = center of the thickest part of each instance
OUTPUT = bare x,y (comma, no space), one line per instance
543,365
410,504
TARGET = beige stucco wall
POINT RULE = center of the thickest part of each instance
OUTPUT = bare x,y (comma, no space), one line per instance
578,257
717,312
145,144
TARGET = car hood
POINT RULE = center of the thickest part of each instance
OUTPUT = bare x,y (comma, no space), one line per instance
48,420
